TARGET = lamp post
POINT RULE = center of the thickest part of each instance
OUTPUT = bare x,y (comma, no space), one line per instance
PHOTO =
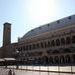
16,54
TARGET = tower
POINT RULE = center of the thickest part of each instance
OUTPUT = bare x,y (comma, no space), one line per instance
6,34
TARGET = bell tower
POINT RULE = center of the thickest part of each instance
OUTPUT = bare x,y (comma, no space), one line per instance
6,34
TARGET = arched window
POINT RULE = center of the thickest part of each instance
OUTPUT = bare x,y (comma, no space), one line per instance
73,39
37,45
56,60
23,47
67,59
42,45
45,44
29,47
62,41
45,60
50,60
62,61
57,42
48,43
68,40
33,46
39,60
52,43
73,58
18,49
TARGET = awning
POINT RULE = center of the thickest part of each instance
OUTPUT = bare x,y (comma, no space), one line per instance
9,59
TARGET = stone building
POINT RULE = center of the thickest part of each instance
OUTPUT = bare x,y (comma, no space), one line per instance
53,43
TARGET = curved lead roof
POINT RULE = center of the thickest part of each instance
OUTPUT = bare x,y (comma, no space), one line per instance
50,27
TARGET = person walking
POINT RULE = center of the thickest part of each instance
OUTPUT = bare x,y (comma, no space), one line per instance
10,72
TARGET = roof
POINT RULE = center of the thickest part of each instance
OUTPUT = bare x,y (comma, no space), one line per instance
50,27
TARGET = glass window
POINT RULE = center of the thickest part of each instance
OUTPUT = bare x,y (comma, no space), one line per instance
57,42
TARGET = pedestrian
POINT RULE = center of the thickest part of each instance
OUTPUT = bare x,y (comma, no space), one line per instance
10,72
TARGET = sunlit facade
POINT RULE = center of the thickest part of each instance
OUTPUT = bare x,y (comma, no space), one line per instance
53,43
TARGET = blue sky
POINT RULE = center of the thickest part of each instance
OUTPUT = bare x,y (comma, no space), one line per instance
25,15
